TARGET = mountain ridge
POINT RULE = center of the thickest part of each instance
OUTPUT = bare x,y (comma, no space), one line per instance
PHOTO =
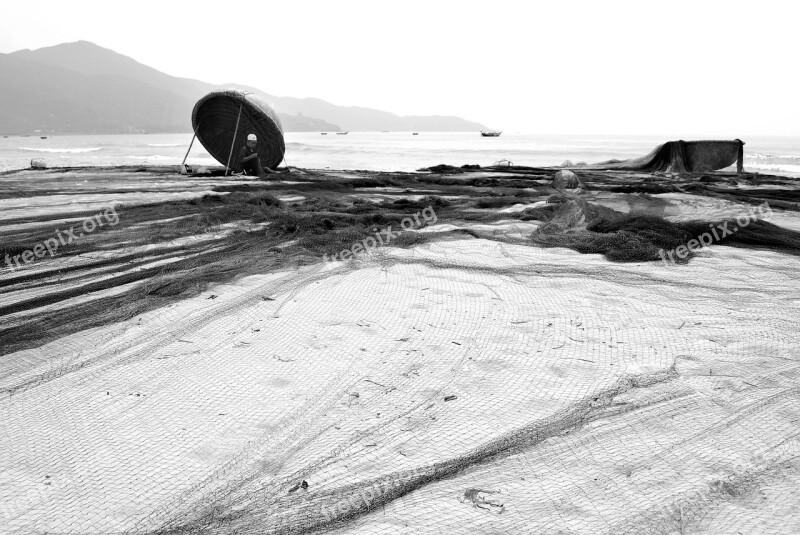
81,87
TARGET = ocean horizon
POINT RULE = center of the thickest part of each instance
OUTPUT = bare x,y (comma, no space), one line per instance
379,151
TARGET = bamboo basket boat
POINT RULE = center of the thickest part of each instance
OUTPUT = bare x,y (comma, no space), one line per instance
222,119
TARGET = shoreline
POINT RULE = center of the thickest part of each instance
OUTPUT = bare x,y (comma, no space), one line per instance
218,171
384,152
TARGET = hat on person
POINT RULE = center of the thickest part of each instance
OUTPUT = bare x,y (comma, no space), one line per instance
251,137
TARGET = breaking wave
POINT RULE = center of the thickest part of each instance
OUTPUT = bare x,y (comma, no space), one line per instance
153,157
70,151
771,163
770,157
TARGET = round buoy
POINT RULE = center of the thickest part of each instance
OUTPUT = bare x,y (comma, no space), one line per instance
566,179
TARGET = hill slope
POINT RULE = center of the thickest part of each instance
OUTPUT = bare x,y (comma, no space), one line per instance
84,88
35,96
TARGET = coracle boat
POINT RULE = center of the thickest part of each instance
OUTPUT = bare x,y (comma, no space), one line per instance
223,119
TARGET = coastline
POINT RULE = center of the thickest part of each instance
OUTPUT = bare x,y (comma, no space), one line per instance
392,151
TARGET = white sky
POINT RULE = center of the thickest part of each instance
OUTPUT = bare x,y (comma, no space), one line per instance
680,68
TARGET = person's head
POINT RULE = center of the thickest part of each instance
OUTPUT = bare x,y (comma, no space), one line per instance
252,140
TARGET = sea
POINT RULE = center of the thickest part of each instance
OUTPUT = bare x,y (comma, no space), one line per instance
378,151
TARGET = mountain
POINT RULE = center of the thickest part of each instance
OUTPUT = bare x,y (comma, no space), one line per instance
84,88
367,119
35,96
87,58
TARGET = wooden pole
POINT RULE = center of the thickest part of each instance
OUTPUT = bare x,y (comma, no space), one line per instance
183,163
740,158
233,143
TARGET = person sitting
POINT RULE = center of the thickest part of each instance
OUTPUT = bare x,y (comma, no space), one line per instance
249,161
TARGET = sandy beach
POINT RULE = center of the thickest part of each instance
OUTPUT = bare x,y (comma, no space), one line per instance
374,352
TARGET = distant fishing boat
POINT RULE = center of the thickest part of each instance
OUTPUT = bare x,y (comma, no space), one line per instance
323,133
414,133
43,137
342,133
491,133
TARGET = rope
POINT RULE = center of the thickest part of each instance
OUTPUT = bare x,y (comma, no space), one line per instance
233,143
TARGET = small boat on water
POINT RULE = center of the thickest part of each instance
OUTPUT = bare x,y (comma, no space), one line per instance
414,133
323,133
342,133
43,137
491,133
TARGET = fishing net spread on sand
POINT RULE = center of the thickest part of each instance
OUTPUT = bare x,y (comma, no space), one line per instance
487,372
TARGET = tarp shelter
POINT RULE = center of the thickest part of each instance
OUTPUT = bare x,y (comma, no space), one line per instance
685,156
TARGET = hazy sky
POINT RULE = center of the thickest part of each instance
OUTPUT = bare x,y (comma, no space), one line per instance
681,68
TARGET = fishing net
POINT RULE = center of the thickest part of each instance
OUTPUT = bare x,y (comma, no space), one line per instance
640,237
467,384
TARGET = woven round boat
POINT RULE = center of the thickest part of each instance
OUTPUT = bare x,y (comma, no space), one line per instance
222,120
